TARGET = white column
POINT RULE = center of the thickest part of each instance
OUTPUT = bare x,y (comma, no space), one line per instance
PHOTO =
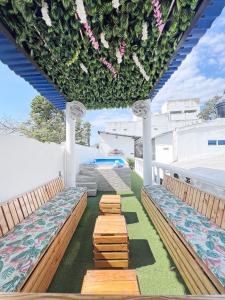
147,148
70,148
74,110
142,109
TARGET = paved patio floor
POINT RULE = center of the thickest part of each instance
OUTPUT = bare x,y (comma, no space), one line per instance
156,272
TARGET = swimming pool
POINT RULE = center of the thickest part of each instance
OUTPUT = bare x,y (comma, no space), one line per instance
117,161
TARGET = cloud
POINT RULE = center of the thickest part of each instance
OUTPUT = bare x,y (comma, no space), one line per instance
202,73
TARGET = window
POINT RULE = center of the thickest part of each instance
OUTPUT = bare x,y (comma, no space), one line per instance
221,142
190,111
176,112
212,142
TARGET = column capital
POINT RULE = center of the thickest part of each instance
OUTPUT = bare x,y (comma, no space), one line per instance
76,109
141,108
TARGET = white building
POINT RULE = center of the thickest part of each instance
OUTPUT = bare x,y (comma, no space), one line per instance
111,144
174,114
182,110
207,138
122,135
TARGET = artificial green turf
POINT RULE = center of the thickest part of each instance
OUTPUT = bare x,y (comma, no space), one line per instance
156,272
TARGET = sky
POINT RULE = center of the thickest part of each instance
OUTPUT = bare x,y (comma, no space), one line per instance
201,75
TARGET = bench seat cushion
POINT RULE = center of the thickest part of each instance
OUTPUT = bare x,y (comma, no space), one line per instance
205,237
21,248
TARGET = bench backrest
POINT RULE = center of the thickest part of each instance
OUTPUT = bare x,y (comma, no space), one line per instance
19,208
208,205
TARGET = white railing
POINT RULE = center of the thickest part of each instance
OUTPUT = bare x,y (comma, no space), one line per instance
138,166
159,169
204,184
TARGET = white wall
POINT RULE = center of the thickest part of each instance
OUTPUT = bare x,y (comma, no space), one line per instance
193,141
164,148
85,154
181,105
108,142
26,163
125,127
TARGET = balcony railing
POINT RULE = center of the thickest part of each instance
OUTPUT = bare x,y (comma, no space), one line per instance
203,183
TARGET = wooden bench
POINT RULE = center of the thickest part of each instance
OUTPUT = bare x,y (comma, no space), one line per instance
15,211
110,205
110,240
110,282
195,272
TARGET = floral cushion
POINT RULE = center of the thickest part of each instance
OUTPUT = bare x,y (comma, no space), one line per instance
205,237
21,248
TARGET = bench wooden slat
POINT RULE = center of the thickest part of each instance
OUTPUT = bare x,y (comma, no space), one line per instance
220,213
55,187
3,223
44,194
37,197
201,201
23,207
48,191
54,191
223,221
18,210
38,191
13,212
8,216
27,203
31,202
51,190
205,204
215,209
36,205
210,206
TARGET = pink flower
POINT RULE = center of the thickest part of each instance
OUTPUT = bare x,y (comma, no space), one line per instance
91,36
158,15
109,66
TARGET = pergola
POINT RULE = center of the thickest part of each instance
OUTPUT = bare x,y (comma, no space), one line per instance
101,54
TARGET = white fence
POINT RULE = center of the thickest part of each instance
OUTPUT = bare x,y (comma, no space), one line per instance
26,163
159,169
138,167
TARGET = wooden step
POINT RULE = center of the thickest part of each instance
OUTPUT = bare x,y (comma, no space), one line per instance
110,282
120,263
110,239
111,211
110,255
110,247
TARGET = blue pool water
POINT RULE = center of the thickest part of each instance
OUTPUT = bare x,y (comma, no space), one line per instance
108,161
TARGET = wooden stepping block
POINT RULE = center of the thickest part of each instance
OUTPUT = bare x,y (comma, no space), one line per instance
110,205
110,241
110,282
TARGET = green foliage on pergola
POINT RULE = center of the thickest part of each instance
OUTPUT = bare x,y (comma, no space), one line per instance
81,56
